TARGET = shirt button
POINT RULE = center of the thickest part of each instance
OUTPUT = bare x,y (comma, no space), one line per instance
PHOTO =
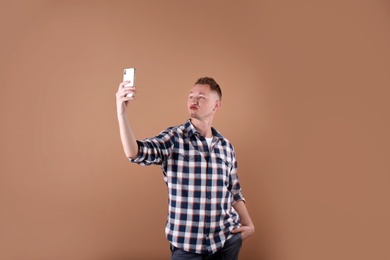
209,197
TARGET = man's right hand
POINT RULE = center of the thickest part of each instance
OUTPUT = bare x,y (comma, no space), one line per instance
122,97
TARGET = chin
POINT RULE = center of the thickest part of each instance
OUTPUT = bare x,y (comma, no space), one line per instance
193,115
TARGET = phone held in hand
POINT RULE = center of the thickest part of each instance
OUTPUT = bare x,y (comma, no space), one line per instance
129,75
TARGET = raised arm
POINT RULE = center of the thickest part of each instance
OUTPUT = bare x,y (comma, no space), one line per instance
129,142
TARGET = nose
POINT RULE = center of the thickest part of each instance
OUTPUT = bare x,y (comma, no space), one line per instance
194,100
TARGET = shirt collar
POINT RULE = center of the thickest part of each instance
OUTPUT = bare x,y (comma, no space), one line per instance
191,130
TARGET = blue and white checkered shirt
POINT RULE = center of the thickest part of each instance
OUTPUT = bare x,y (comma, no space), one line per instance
202,186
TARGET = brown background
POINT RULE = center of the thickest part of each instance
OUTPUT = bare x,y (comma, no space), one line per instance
306,89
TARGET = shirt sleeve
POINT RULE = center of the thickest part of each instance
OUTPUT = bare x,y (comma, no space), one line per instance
154,150
234,182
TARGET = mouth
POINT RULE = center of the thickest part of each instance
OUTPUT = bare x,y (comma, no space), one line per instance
193,107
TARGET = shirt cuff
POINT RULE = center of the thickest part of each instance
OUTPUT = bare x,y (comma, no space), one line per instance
238,197
141,153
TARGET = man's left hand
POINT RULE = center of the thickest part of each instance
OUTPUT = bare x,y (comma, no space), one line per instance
246,231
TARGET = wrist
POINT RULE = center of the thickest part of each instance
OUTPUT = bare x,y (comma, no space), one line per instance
121,113
250,225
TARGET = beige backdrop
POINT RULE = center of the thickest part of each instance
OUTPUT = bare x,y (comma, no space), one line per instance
306,90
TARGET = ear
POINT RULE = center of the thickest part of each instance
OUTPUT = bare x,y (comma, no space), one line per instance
217,104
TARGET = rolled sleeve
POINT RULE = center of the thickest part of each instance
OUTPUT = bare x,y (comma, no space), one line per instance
235,186
154,150
142,152
238,197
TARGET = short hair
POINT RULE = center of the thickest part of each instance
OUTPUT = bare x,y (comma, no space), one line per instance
212,83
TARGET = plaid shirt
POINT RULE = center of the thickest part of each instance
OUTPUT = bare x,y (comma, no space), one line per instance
202,186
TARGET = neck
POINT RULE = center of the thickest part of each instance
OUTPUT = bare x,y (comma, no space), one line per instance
203,127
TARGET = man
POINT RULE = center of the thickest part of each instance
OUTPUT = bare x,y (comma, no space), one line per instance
207,216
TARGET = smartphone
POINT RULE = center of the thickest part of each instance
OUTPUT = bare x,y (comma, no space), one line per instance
129,75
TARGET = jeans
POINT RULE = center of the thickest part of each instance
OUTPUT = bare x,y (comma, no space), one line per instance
230,251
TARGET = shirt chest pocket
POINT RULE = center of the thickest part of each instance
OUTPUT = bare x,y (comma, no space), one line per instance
187,163
190,158
224,167
224,161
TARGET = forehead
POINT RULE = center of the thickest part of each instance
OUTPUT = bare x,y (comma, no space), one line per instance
200,88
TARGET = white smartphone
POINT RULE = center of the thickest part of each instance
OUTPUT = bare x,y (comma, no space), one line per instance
129,75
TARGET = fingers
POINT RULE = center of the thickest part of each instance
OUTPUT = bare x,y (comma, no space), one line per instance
245,231
122,84
126,93
237,230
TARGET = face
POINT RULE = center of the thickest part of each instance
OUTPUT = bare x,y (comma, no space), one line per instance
202,102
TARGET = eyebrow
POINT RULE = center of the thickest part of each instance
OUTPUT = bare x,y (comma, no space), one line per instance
200,93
